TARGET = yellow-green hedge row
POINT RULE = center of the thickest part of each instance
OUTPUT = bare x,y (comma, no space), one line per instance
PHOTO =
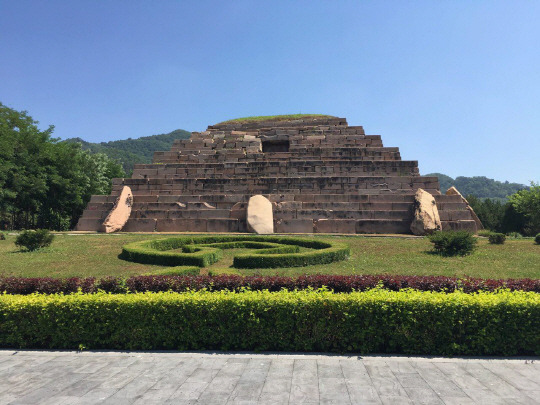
376,321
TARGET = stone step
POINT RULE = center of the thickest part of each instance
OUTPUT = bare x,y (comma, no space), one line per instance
461,225
343,214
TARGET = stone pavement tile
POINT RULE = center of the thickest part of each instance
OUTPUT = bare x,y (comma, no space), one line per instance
246,391
189,391
493,382
118,401
305,372
100,394
385,382
281,368
411,380
214,397
329,369
458,401
137,387
440,383
363,395
420,395
178,375
226,383
304,393
535,395
92,367
528,370
469,384
202,375
518,380
395,399
333,389
401,366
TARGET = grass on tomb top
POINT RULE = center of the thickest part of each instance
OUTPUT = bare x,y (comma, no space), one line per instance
288,117
96,255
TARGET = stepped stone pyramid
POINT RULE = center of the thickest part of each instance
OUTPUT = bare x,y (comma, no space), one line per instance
320,174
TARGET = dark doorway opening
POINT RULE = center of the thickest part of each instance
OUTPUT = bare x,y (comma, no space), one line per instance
275,146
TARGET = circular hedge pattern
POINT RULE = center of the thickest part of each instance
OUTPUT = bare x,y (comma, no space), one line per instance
267,251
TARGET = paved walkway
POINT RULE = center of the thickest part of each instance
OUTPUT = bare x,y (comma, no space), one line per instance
32,377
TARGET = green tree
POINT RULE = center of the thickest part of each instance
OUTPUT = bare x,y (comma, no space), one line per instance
43,182
527,202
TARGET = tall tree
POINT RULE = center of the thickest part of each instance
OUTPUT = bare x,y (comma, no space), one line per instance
43,182
527,202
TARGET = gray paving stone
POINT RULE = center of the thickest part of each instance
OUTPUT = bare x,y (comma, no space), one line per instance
303,394
200,378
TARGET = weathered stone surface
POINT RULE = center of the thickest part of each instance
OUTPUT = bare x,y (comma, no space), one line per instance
120,213
259,217
426,215
294,226
454,191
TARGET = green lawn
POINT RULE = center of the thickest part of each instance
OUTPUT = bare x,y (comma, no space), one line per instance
97,255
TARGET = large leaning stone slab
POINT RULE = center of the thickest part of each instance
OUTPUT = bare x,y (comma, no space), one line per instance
454,191
120,212
426,214
260,218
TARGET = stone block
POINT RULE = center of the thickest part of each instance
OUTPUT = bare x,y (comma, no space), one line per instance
89,224
335,226
222,225
383,226
140,225
294,226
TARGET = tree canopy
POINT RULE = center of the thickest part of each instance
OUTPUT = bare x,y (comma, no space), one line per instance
46,183
128,152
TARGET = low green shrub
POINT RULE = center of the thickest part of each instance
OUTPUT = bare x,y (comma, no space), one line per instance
484,232
497,238
34,239
2,236
176,271
514,235
453,243
376,321
268,251
537,239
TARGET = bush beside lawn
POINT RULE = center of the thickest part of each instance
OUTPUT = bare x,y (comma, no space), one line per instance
376,321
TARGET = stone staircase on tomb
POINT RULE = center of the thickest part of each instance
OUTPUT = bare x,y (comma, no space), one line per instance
321,174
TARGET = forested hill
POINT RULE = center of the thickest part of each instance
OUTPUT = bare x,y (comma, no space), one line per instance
130,151
479,186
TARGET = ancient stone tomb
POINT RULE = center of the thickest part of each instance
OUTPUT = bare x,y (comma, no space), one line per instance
318,175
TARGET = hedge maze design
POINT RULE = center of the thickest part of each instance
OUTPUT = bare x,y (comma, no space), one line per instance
267,251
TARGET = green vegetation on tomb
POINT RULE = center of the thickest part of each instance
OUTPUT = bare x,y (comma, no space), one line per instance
97,256
287,117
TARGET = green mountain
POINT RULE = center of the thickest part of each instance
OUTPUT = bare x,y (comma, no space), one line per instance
479,186
130,151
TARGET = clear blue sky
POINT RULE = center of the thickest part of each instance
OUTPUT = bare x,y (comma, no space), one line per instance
454,84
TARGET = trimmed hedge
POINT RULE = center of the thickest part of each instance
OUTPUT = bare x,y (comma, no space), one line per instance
202,251
337,283
377,321
537,239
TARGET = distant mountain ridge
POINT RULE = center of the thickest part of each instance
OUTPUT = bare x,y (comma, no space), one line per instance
479,186
131,151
